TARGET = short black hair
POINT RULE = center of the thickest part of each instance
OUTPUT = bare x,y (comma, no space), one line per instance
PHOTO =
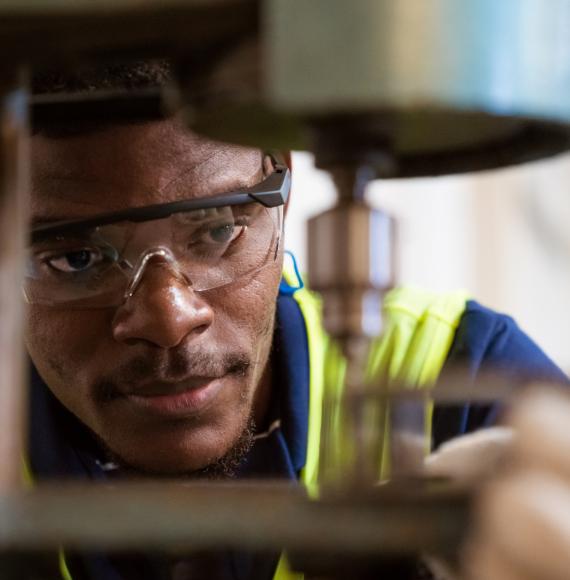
115,78
141,74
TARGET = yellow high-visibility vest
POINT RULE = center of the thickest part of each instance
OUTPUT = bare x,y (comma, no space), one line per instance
419,328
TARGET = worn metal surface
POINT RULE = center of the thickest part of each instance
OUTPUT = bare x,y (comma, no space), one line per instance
352,276
410,88
443,86
249,516
358,267
508,58
14,177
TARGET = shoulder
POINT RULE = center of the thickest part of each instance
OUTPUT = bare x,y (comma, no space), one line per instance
489,340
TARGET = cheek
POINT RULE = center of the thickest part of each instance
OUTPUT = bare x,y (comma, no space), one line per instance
251,305
60,341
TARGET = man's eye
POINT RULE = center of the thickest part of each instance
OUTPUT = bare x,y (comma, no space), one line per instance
223,234
75,261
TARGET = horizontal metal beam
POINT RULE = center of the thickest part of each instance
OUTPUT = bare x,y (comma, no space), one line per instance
253,516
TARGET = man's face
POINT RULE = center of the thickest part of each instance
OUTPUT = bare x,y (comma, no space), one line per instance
170,379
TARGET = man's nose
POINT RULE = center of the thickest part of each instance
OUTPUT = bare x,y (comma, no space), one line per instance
163,310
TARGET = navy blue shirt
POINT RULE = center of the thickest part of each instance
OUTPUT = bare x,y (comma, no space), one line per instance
60,447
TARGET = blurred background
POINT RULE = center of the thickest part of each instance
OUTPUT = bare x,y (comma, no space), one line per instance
504,236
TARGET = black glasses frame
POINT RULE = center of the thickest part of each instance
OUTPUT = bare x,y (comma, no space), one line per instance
271,192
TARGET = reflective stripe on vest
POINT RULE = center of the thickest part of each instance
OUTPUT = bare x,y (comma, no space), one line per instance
419,328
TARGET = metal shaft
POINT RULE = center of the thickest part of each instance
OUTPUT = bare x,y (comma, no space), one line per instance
14,175
351,259
351,265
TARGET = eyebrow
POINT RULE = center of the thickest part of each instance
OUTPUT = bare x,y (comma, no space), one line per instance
238,187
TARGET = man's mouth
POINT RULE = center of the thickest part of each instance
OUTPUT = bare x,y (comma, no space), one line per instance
177,399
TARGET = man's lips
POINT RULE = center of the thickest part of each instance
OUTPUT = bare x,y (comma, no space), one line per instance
162,388
176,399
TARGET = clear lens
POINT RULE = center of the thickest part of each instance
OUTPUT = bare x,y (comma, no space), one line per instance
209,247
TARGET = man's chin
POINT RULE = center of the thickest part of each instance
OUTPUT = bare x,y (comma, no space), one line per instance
227,466
170,464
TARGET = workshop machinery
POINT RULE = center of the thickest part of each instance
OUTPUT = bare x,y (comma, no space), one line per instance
377,89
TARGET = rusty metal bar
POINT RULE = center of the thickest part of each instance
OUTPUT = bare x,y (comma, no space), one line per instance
14,177
247,516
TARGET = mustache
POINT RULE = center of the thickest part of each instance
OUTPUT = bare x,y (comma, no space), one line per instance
171,367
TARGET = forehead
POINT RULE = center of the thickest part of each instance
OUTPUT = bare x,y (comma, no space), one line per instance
132,166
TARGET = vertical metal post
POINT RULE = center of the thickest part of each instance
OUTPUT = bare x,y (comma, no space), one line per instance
351,264
14,179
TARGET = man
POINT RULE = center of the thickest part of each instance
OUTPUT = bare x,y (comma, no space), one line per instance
162,339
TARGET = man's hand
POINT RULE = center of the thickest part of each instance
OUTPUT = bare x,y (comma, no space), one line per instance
468,460
471,458
522,529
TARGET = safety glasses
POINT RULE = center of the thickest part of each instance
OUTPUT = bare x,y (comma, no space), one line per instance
207,243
